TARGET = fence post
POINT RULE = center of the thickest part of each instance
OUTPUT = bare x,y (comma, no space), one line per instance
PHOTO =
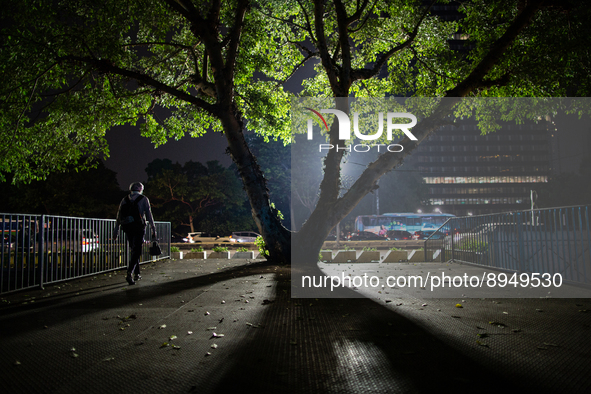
520,243
41,251
452,248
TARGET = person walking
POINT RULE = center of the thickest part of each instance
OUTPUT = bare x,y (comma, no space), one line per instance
134,212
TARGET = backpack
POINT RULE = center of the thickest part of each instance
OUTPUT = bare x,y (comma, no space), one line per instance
129,215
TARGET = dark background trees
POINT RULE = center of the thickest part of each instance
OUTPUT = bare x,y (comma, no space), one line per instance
87,193
197,197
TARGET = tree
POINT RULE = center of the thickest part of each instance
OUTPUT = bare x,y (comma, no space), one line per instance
73,69
507,40
70,70
184,194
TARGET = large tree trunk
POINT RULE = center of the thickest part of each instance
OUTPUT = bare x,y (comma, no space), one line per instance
331,208
191,224
276,236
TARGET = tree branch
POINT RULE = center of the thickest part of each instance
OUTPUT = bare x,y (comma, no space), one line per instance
327,62
310,56
308,25
150,43
213,15
476,77
286,21
180,7
364,20
355,17
370,73
342,23
235,40
430,68
108,67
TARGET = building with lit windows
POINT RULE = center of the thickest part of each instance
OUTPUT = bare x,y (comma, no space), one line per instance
471,174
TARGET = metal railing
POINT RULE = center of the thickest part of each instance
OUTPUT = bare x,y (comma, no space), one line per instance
554,240
41,249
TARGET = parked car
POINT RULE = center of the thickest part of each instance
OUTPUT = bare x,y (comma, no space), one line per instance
396,235
367,236
424,234
420,235
24,239
243,236
81,240
191,237
331,237
177,239
6,240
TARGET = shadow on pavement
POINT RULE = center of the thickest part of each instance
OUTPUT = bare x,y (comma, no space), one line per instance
348,346
344,345
80,305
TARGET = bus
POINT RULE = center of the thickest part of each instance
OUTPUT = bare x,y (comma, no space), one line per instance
409,221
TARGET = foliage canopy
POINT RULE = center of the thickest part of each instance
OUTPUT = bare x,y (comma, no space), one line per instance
73,69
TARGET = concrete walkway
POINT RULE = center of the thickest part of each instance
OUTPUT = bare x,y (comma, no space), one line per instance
217,326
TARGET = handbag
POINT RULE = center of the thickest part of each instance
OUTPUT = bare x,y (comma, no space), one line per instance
155,249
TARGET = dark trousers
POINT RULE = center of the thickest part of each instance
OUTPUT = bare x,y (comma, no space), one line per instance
135,238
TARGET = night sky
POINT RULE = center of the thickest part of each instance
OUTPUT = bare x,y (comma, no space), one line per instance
130,153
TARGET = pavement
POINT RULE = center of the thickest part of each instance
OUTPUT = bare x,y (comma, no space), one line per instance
218,326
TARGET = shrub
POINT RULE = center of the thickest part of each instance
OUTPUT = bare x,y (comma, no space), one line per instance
197,250
174,249
473,245
220,249
368,249
260,243
242,249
